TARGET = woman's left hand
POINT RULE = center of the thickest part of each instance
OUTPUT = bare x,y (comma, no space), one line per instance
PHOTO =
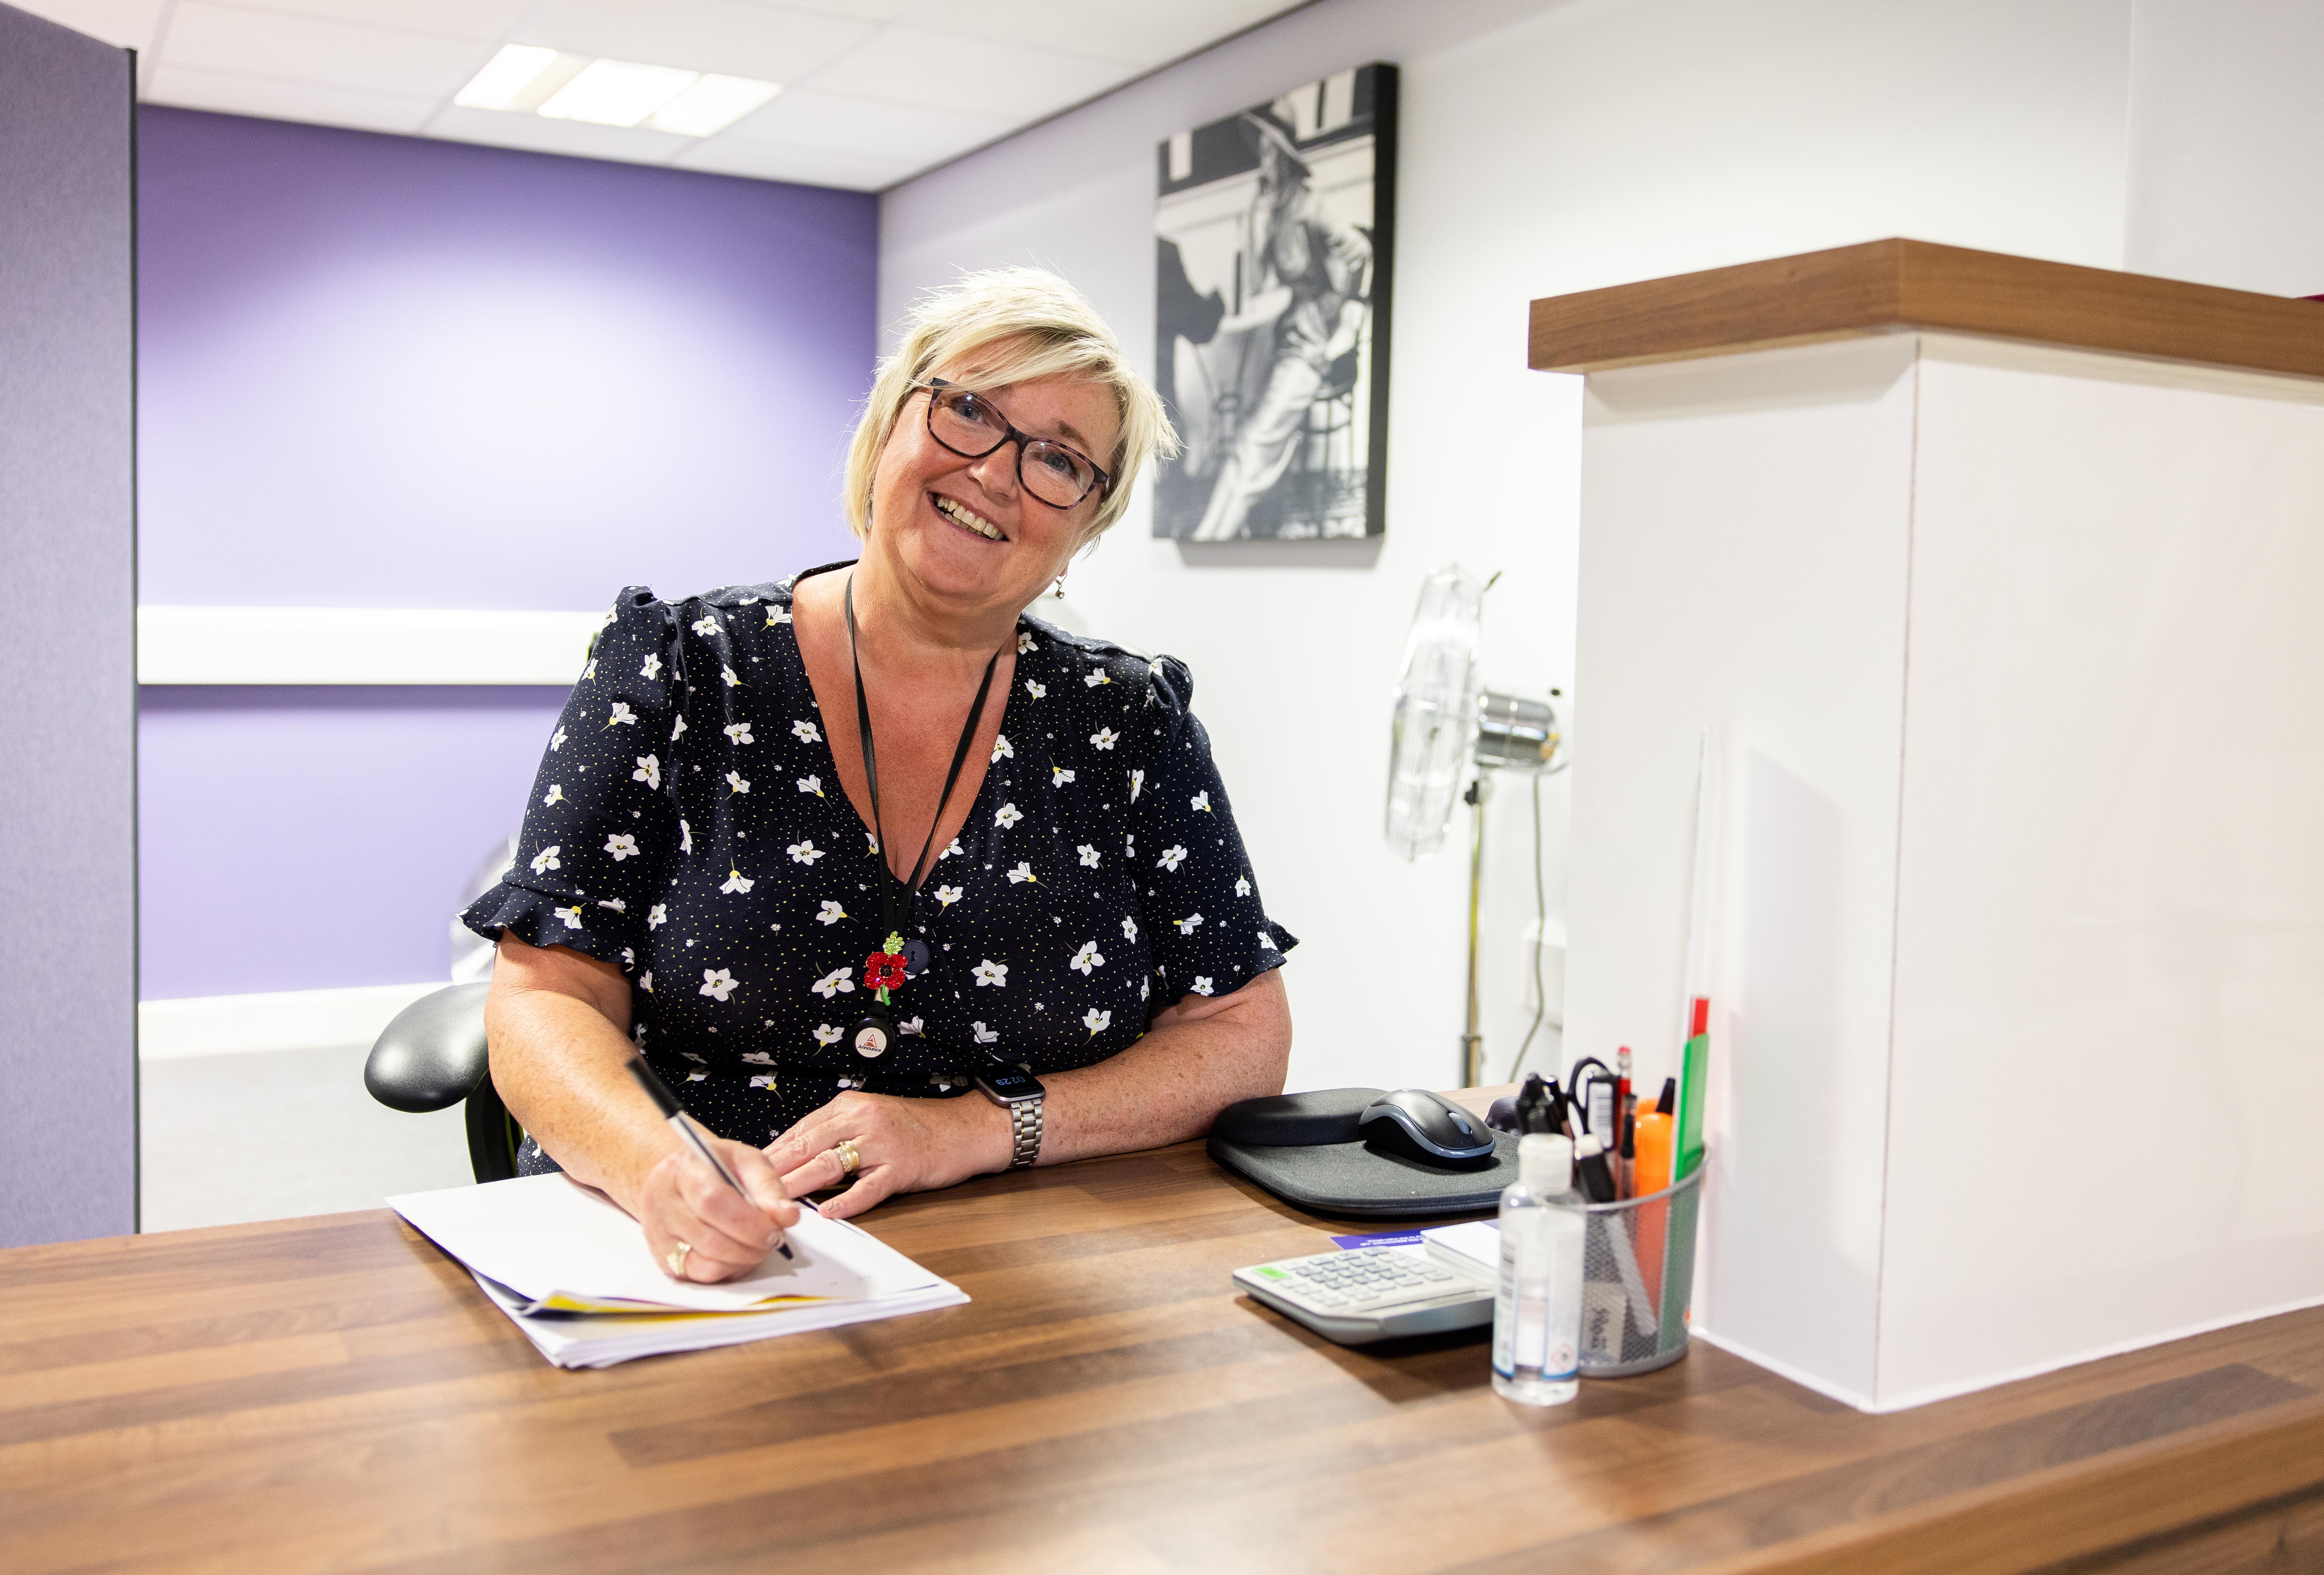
901,1146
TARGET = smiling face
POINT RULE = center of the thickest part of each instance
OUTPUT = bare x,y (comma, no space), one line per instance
962,529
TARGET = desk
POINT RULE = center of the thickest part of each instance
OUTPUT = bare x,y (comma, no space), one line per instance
333,1393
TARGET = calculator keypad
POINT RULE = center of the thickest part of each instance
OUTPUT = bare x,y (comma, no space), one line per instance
1362,1281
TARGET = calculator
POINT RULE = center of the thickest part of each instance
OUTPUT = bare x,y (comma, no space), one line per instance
1373,1293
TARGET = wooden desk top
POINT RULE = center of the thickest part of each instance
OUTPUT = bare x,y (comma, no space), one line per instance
333,1393
1886,286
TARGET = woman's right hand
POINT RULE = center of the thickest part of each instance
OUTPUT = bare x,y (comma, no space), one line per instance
682,1201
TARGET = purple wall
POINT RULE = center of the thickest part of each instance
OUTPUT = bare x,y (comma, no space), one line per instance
67,534
385,370
307,838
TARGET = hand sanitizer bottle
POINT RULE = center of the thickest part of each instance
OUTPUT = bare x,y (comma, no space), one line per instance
1537,1311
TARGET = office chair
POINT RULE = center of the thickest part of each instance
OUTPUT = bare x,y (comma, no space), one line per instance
431,1057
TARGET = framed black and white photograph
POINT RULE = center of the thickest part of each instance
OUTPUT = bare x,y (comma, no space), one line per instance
1274,229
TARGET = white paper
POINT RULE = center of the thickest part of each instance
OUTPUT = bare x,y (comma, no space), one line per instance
598,1341
543,1235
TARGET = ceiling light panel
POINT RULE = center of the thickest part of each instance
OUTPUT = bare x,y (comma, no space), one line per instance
722,36
617,92
711,104
507,77
300,48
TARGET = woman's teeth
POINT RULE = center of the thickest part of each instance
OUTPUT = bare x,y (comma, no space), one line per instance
961,515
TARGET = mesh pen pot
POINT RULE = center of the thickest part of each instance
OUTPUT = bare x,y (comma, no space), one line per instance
1637,1278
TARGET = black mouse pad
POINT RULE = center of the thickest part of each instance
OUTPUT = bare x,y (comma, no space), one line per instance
1354,1181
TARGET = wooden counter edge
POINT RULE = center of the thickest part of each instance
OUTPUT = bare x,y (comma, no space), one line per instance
2088,1507
1898,285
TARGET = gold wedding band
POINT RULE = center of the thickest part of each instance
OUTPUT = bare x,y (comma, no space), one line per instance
676,1259
849,1160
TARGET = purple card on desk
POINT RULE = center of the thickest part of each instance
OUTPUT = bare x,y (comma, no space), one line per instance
1389,1239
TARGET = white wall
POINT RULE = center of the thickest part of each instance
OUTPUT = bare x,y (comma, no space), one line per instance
1546,148
2227,146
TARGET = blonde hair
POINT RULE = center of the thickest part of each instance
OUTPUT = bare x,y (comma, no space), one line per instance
1012,324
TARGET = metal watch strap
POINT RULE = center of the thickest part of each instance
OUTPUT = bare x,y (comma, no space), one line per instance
1025,1122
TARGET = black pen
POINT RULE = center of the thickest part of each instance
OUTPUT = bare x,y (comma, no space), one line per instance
683,1124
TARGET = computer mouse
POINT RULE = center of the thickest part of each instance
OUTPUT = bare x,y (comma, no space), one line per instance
1423,1125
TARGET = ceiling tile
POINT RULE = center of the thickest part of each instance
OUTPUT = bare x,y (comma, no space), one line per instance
272,100
300,48
701,35
868,127
470,19
125,23
506,129
1146,34
860,10
807,166
979,75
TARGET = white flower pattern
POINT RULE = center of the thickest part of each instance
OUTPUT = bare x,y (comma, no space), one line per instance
639,806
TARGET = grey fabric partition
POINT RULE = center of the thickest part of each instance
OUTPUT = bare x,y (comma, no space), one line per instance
67,637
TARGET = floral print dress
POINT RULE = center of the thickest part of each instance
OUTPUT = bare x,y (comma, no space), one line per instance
688,826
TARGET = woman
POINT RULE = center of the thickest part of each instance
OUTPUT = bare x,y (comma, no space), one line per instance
703,871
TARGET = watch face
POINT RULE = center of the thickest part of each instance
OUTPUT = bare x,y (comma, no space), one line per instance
1010,1085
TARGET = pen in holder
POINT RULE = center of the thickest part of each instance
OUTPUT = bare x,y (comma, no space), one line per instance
1637,1278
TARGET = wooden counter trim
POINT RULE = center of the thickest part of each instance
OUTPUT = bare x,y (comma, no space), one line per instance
1888,286
2076,1511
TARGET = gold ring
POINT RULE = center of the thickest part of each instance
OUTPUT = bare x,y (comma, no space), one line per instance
676,1259
849,1160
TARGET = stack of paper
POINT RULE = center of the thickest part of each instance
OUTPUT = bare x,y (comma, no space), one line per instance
575,1273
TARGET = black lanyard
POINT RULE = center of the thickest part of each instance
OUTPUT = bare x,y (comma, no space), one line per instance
871,770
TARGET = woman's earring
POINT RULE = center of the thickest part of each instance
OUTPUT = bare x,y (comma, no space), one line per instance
1059,593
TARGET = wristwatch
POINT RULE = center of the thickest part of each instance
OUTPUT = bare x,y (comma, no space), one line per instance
1019,1093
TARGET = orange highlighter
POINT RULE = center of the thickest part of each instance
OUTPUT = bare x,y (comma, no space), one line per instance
1653,1173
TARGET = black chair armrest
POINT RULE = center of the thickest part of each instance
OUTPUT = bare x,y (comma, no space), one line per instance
432,1056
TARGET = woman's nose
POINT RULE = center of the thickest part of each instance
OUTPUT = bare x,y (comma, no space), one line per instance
996,473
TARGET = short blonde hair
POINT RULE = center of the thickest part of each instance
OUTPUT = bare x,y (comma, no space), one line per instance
1016,325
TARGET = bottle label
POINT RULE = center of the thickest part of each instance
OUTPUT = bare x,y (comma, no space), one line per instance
1538,1305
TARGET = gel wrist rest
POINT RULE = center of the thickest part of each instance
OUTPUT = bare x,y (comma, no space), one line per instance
1304,1149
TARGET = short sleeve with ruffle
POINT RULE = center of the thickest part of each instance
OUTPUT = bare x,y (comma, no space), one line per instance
602,823
1209,932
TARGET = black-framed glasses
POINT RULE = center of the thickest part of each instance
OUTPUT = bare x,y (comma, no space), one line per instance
972,426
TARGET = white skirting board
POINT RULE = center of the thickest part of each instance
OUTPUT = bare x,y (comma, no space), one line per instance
290,1019
361,644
